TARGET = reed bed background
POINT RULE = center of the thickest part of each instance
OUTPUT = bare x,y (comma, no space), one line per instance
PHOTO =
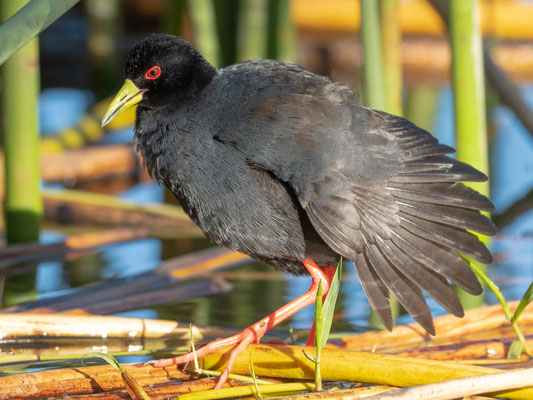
70,336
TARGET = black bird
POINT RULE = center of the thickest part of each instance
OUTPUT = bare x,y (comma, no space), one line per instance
288,167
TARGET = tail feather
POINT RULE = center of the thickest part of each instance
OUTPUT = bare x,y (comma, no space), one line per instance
459,172
439,259
462,218
426,151
376,292
409,295
457,195
435,163
432,283
450,237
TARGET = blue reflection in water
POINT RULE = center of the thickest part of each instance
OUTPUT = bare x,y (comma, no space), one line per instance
512,178
141,255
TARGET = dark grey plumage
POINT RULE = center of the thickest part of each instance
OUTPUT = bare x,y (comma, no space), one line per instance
283,165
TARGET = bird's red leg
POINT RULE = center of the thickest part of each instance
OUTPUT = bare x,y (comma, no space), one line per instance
255,332
329,272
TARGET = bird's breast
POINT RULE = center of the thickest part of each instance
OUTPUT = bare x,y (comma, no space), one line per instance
233,203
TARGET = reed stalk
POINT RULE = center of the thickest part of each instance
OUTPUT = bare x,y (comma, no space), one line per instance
286,34
421,105
253,21
484,323
269,30
82,207
391,39
272,42
373,93
233,392
205,36
383,73
469,97
469,87
31,20
87,380
103,41
227,17
23,204
173,17
465,387
352,366
61,325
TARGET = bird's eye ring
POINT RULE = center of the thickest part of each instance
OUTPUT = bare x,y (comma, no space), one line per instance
153,73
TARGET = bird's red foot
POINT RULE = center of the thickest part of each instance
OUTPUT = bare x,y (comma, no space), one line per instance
255,332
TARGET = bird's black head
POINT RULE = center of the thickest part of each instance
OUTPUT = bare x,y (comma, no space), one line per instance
167,68
161,71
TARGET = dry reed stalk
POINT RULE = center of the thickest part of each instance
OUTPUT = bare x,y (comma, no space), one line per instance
167,390
158,383
198,263
80,242
89,164
80,380
92,163
492,349
23,325
357,393
35,350
71,206
465,387
351,366
448,330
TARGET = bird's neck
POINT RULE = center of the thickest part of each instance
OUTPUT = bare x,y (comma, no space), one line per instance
204,74
195,83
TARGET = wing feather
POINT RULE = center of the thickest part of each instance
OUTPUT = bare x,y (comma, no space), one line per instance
376,188
375,290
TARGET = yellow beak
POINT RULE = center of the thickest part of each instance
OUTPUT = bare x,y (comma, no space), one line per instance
127,96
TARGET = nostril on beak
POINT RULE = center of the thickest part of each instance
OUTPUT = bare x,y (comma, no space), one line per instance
123,97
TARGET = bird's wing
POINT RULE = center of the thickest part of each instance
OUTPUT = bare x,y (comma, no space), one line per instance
378,190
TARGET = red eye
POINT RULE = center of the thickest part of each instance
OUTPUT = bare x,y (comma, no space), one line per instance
153,73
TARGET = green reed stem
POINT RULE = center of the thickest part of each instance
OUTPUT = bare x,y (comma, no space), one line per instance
31,20
23,204
391,39
373,93
469,97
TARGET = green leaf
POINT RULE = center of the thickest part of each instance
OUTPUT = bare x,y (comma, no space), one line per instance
319,320
28,22
524,302
516,349
252,373
309,356
106,357
328,310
